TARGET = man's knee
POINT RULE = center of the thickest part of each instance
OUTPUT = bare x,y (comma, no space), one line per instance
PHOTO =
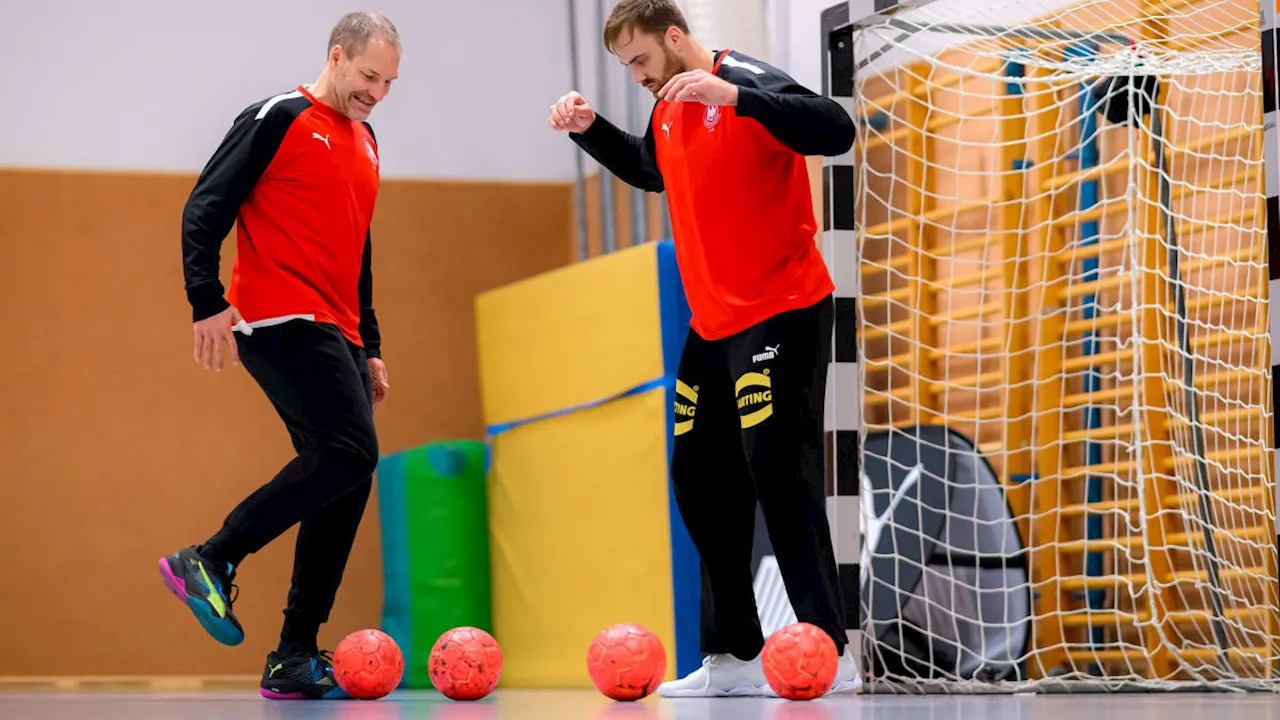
367,452
357,451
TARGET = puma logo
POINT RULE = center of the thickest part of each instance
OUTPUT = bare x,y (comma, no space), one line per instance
322,138
768,354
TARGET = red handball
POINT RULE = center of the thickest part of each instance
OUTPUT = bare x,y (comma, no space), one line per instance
368,664
800,662
465,664
626,661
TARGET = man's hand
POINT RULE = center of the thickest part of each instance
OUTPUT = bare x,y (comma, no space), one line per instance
571,113
211,333
700,86
378,373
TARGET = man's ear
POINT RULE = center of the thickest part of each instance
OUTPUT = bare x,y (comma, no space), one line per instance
674,37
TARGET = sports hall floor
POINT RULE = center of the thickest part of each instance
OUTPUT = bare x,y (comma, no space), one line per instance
576,705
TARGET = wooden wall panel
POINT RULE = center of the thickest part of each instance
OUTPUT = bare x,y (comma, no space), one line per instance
115,448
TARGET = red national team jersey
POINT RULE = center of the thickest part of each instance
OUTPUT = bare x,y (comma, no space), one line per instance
299,180
738,191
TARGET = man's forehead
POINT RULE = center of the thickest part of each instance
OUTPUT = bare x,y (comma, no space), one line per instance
382,63
630,44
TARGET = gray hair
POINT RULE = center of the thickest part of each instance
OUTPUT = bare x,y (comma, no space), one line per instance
357,28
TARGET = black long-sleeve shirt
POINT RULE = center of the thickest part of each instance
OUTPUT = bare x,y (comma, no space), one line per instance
738,190
299,181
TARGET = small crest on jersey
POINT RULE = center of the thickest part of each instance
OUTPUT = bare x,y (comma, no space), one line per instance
711,117
373,154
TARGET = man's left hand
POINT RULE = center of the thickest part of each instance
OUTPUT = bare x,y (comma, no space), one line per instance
378,373
700,86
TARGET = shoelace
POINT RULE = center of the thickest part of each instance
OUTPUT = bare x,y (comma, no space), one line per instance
228,581
708,663
227,576
325,660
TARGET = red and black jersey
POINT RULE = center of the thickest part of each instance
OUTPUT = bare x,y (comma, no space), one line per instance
298,180
738,191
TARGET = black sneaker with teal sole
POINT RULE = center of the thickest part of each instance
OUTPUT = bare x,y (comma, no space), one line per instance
300,676
206,589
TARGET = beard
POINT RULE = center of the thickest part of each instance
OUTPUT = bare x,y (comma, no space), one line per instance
672,65
355,107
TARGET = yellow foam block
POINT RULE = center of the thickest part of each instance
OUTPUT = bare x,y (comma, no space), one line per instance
579,538
579,511
569,336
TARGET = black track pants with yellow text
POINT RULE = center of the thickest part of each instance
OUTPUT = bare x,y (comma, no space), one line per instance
748,428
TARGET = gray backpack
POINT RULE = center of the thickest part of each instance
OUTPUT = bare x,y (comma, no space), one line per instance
945,589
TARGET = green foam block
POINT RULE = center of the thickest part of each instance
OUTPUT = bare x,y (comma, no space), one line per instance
435,547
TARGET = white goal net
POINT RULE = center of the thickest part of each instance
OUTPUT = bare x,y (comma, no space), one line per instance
1060,222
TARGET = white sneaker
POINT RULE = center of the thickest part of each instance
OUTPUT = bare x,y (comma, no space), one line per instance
720,676
848,679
